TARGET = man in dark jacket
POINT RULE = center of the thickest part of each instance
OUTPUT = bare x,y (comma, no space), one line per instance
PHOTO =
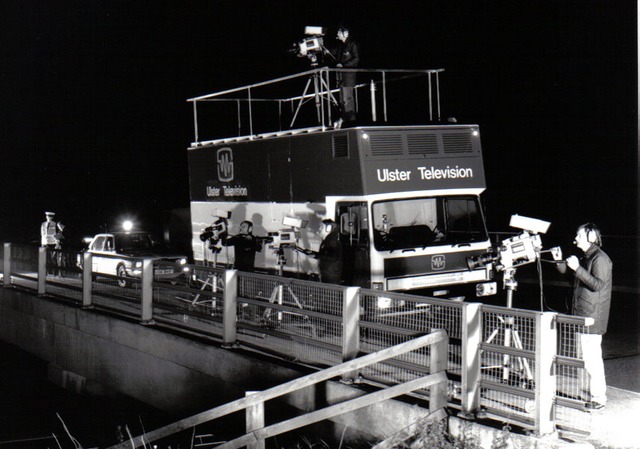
329,255
591,298
245,246
346,54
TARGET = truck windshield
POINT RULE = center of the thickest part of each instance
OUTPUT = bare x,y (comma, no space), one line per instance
422,222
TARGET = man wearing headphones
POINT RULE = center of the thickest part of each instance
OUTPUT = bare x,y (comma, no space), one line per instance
346,54
591,298
245,246
329,254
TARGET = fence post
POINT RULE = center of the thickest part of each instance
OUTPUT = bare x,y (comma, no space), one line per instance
229,308
42,270
254,420
545,376
470,359
87,275
147,291
350,328
6,277
438,360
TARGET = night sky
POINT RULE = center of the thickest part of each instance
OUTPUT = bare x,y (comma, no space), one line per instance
94,121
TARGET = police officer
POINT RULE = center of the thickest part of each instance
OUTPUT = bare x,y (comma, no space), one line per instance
51,232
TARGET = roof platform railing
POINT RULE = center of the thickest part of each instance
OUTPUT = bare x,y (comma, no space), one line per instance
266,109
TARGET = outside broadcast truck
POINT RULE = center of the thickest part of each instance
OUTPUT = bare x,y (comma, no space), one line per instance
406,200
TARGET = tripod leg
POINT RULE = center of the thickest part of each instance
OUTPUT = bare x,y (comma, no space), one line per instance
506,360
523,363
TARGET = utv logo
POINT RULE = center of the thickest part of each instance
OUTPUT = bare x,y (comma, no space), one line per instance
224,159
438,262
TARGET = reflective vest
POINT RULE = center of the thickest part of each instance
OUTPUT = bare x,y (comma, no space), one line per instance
48,230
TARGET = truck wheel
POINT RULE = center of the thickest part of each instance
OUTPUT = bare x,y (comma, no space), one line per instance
122,275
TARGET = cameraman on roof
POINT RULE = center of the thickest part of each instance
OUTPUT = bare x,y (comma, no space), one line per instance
346,54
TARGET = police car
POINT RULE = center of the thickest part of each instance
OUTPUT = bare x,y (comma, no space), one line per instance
121,253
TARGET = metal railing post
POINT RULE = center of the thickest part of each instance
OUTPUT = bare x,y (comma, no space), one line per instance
229,308
438,360
372,90
147,291
545,376
350,327
87,275
254,419
470,359
42,270
6,277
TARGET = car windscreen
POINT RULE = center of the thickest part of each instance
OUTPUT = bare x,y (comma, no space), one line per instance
422,222
133,242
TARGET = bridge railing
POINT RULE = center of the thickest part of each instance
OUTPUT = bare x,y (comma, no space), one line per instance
512,365
258,432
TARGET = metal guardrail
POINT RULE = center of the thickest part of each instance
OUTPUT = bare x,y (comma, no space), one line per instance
512,365
321,91
435,381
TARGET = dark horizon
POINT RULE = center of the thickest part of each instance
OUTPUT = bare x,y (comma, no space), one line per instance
96,122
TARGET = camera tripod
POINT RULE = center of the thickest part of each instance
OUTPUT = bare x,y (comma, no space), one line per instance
318,82
510,337
212,280
277,297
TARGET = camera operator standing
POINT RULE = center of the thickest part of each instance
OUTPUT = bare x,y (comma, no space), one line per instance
346,54
245,246
330,254
591,298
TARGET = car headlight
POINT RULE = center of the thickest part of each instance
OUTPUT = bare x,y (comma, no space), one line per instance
138,264
182,261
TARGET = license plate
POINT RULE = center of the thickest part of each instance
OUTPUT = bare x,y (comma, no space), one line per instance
166,271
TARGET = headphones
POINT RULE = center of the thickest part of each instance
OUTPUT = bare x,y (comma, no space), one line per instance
593,234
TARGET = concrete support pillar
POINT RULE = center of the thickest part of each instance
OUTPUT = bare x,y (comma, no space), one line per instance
255,420
42,270
147,292
545,375
229,308
350,328
6,280
470,348
87,275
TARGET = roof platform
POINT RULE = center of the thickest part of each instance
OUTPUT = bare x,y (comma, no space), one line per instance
267,110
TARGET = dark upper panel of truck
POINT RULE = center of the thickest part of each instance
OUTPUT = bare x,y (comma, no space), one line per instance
347,162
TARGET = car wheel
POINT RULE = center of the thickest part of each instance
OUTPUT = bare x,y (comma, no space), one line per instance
122,276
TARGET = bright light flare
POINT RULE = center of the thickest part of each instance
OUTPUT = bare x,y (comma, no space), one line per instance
127,225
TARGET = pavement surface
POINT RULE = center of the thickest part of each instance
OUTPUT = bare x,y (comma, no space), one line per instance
618,424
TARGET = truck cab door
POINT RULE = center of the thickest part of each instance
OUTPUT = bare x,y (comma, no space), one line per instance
353,223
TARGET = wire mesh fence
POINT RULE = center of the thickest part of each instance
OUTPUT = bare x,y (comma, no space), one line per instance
571,376
391,318
309,322
301,320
